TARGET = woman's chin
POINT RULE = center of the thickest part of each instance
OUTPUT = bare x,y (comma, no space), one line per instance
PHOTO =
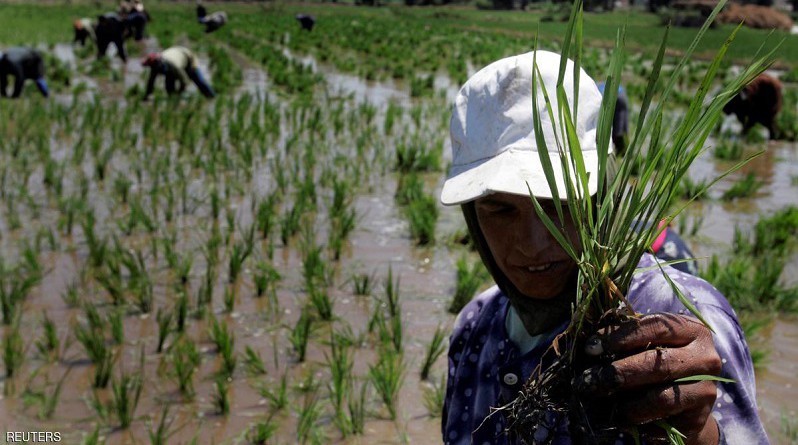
536,294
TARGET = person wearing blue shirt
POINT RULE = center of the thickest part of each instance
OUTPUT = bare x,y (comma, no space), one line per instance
501,336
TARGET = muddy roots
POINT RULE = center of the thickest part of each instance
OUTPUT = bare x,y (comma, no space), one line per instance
550,406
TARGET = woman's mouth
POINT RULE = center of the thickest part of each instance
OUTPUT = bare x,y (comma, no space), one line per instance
540,268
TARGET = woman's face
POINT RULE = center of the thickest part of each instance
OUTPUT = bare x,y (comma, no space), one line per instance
523,248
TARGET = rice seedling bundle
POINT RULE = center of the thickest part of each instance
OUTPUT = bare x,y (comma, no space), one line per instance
609,243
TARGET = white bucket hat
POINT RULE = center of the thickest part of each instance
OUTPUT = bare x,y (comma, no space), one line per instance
492,130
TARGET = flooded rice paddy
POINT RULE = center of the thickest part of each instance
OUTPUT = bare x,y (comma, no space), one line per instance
222,221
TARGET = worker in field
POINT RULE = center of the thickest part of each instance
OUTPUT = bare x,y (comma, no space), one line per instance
110,28
758,103
306,21
135,21
84,29
178,65
201,12
214,21
211,21
620,120
22,63
125,7
134,18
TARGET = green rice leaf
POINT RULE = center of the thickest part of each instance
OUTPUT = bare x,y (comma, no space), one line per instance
577,58
704,378
565,52
674,436
635,436
697,103
651,87
555,232
684,300
540,140
575,154
604,127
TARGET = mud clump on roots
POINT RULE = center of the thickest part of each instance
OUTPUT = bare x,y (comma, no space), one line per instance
551,404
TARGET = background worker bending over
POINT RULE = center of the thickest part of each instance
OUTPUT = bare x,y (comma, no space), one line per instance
22,63
178,64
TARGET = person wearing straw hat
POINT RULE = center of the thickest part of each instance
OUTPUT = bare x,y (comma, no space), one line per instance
178,65
501,336
22,63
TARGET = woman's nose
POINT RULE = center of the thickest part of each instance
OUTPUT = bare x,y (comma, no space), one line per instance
532,235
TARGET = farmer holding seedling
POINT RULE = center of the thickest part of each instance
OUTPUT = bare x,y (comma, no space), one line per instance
628,378
178,65
22,63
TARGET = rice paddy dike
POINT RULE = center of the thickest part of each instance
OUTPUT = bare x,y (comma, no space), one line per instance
273,266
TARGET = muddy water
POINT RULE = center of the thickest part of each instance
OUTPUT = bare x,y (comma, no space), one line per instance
380,241
425,281
776,168
777,388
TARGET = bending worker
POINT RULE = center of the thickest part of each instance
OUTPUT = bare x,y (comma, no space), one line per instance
22,63
84,29
211,21
110,29
178,64
214,21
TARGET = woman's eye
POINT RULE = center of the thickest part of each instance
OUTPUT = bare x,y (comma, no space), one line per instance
499,208
547,206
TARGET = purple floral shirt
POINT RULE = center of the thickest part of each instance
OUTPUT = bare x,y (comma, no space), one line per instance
485,369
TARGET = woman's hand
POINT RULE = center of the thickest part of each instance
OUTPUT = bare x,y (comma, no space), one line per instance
648,354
